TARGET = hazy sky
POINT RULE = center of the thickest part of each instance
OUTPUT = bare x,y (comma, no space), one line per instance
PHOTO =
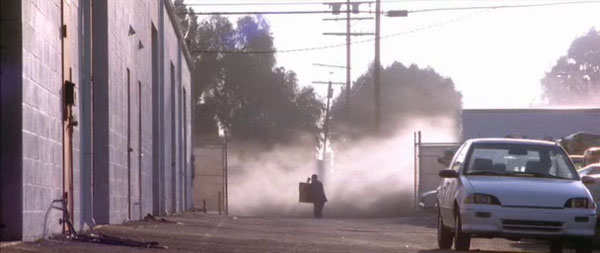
496,58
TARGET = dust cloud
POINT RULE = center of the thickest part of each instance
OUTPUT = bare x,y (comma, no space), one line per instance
370,178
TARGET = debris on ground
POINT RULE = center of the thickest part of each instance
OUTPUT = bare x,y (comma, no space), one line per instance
150,217
114,240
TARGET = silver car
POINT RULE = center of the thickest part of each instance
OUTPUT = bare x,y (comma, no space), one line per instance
514,188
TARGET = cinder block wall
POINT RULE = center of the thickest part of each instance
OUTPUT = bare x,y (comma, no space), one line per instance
129,48
171,85
11,69
122,117
177,141
42,114
128,67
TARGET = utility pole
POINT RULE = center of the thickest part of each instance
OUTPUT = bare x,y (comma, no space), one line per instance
376,70
322,165
351,8
326,121
348,80
326,124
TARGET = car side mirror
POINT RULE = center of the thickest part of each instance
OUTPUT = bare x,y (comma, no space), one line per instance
449,174
588,180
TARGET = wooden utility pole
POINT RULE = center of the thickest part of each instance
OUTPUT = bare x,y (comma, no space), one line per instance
348,80
326,121
326,124
377,66
351,7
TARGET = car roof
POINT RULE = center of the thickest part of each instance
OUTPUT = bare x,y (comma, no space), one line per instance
512,141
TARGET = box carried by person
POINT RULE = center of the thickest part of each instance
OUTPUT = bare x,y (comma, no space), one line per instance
304,190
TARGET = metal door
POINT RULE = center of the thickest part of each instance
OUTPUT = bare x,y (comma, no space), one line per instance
68,95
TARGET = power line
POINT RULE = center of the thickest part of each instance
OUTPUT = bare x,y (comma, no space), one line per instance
264,3
307,2
336,45
504,6
485,8
410,11
257,12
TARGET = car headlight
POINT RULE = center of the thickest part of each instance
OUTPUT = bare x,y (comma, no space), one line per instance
483,199
580,203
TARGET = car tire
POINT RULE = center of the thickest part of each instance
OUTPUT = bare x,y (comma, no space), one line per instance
462,241
585,246
444,235
556,246
586,250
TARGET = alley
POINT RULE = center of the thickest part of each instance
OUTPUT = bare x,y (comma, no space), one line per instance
201,232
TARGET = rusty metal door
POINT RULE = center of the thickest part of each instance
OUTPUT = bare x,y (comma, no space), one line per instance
68,97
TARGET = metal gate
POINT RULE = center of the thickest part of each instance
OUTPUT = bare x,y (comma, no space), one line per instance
430,158
210,177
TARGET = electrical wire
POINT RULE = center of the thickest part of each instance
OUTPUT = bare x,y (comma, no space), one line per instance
410,11
339,44
255,4
260,12
504,6
310,2
485,8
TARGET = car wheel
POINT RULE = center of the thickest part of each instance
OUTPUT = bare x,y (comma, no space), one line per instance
585,246
444,235
597,236
556,246
462,241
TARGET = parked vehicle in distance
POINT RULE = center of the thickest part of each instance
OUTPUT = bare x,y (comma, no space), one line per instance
577,161
591,169
515,188
595,191
428,201
591,155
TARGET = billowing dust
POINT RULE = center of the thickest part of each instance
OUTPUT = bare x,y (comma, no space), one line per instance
371,178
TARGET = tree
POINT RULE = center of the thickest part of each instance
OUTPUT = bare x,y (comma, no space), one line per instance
575,78
407,93
246,93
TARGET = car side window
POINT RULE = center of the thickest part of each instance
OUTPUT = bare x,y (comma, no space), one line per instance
459,158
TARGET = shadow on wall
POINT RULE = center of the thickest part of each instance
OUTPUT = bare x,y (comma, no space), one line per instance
370,178
57,205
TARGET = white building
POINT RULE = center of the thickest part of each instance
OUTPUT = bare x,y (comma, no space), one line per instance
531,123
115,148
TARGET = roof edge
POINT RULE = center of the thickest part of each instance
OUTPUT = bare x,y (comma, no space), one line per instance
186,51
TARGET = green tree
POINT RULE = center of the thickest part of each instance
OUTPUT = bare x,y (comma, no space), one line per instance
575,78
406,93
246,93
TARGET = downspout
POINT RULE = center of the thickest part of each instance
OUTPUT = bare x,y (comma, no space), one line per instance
86,117
161,101
68,123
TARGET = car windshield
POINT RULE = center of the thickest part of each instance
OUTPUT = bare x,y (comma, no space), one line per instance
519,160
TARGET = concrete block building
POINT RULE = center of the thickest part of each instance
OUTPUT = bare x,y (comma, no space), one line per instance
542,123
95,114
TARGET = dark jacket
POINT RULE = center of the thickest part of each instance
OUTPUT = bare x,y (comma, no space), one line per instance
317,192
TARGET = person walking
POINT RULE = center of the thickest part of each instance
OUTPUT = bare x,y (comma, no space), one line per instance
317,196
